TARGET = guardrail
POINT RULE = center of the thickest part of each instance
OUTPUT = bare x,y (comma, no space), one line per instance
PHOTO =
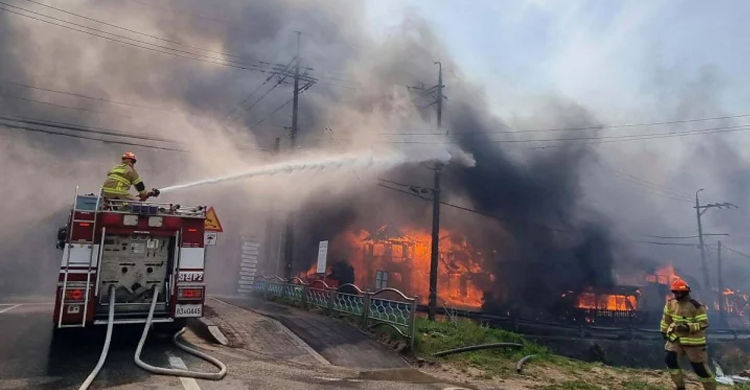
385,307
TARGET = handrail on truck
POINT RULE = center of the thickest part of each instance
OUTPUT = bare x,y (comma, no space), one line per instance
67,260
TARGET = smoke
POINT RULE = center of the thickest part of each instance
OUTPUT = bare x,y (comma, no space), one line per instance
538,218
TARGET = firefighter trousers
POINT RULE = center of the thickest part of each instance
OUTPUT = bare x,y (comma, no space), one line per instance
698,357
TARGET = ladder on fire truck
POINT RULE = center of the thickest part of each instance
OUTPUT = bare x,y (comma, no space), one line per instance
77,203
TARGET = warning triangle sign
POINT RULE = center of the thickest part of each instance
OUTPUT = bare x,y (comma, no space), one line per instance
212,221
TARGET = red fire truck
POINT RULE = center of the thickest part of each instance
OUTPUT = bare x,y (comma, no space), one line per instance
133,249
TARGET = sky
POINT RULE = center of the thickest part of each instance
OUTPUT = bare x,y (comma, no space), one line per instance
603,54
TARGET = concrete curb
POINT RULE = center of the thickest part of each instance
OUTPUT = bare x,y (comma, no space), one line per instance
207,327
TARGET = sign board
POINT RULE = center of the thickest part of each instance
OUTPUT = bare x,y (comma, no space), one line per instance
248,267
210,238
322,256
212,221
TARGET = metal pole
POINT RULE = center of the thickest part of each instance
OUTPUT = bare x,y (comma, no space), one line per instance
704,266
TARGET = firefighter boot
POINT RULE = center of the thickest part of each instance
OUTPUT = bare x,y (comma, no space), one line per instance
675,373
704,375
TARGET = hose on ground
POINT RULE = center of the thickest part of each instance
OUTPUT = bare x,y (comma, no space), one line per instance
170,371
519,365
107,340
477,348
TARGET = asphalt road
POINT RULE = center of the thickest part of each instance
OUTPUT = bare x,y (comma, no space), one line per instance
29,359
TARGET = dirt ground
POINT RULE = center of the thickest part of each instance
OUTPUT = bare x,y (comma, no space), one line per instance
558,376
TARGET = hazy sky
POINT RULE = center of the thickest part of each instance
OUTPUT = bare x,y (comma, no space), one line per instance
601,53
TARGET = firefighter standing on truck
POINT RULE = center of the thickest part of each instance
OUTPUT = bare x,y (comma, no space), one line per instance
684,327
121,177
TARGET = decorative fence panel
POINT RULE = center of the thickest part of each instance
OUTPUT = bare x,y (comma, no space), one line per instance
385,307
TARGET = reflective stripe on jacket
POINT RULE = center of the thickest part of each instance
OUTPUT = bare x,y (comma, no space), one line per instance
689,312
120,178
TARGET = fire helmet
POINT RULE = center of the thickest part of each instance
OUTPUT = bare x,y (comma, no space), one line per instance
680,285
129,156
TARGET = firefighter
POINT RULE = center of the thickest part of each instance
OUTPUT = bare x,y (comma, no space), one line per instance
121,177
684,325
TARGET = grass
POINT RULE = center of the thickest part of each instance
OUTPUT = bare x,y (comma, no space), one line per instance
440,336
571,385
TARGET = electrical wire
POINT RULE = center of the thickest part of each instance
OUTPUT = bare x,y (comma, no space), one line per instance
681,194
83,129
585,128
31,129
59,105
209,60
601,140
277,109
141,33
472,210
242,103
86,96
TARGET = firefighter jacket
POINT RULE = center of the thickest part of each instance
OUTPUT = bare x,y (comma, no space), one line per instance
119,180
688,312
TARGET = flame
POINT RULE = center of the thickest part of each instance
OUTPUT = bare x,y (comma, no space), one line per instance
405,255
664,275
604,301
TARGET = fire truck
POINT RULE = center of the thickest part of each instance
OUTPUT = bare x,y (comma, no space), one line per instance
135,250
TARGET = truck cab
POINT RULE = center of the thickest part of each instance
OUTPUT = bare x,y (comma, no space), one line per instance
135,247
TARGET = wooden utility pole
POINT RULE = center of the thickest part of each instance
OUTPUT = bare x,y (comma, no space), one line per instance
699,211
435,247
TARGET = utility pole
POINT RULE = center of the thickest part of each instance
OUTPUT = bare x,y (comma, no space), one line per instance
435,247
289,234
699,211
720,281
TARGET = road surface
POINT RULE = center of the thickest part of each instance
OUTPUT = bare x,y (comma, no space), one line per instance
30,360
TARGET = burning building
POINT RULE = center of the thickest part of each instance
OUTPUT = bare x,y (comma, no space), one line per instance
400,258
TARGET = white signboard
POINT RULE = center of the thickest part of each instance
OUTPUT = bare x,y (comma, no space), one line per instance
322,256
248,267
210,238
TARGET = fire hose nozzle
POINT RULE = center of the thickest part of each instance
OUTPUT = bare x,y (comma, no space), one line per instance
155,192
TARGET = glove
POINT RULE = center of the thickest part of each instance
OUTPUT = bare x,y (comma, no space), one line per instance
682,328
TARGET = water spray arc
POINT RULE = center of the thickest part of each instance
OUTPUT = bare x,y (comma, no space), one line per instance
349,161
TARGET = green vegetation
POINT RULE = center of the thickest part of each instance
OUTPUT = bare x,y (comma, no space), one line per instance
440,336
572,385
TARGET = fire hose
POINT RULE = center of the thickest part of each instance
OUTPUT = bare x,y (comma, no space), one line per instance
137,358
170,371
107,340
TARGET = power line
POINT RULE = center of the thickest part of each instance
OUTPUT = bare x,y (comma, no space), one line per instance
172,9
606,139
88,97
84,129
585,128
211,60
242,103
278,108
250,107
736,252
656,186
55,104
140,33
31,129
471,210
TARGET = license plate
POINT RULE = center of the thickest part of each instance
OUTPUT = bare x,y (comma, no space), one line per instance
181,311
190,277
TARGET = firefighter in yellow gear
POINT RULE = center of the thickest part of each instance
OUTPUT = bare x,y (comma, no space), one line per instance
121,177
684,325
